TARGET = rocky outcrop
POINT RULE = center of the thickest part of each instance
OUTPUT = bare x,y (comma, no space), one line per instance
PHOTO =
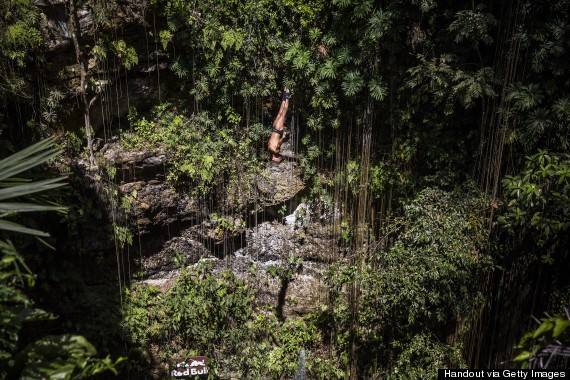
132,164
108,15
276,241
292,262
156,205
284,265
284,262
156,210
279,183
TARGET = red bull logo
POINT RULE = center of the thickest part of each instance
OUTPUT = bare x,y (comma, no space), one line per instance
193,366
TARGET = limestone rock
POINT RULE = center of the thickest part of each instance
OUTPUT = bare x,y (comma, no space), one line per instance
274,241
297,296
269,251
154,205
280,182
285,263
162,269
136,163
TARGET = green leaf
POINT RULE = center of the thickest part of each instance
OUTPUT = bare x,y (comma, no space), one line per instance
544,327
54,370
377,89
15,227
59,346
31,315
28,158
525,355
31,188
10,187
28,207
352,83
165,37
560,325
328,70
342,3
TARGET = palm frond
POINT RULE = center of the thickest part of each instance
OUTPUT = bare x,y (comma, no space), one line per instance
378,89
18,228
328,70
12,187
31,188
352,83
524,98
28,158
28,207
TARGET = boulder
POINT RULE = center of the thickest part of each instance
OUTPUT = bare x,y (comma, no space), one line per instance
279,182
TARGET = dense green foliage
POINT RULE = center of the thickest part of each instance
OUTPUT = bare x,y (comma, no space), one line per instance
397,105
538,197
201,150
215,315
419,294
20,43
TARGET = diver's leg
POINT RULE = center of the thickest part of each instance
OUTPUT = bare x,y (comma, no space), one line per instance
279,122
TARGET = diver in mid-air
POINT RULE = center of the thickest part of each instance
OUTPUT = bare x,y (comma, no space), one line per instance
278,134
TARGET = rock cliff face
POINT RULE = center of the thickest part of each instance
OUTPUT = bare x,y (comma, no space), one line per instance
290,265
168,222
112,88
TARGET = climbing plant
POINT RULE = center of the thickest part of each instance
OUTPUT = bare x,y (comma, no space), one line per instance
21,42
204,151
396,104
422,289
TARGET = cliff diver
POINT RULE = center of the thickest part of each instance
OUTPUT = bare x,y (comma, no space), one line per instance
278,133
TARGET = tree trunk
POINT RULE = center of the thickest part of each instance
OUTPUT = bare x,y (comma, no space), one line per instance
73,27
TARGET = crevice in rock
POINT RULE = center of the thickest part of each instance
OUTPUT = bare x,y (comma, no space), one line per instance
281,298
